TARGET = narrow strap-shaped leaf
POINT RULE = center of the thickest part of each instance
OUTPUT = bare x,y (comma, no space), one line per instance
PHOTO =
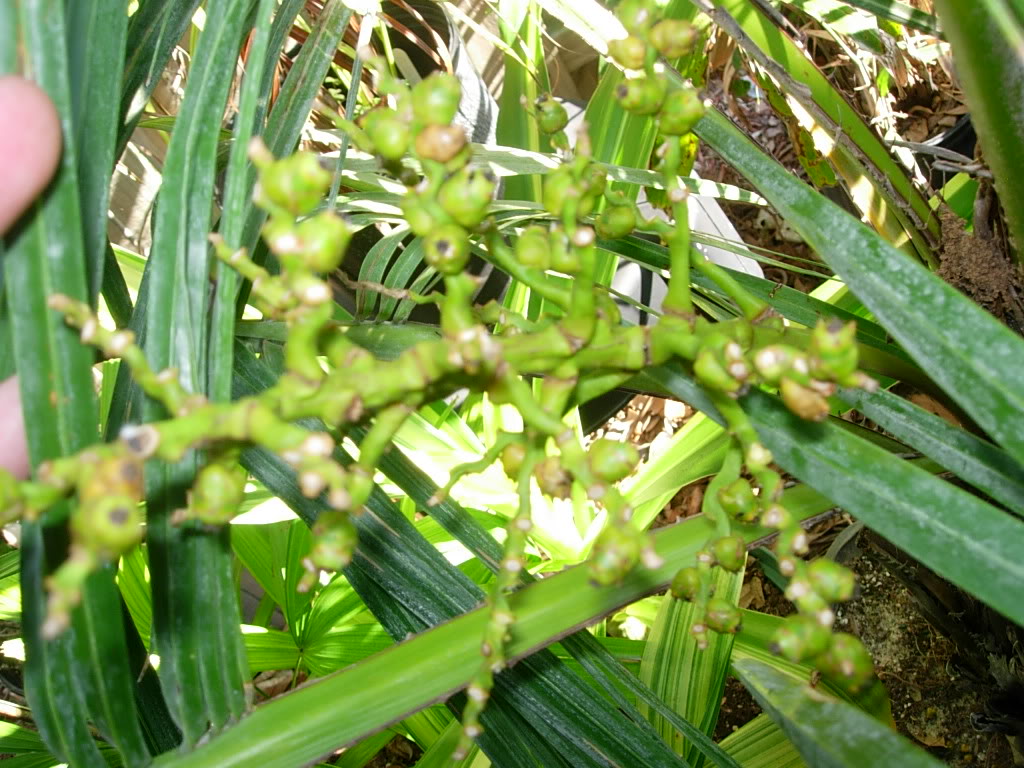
983,465
584,648
96,32
690,680
987,51
291,109
434,591
153,31
237,200
81,674
976,360
828,732
195,617
350,704
762,744
923,515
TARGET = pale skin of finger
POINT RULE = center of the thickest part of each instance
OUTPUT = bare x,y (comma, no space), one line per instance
29,152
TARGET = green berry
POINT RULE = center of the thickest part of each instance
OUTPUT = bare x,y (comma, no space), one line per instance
435,99
323,240
551,115
616,221
803,401
10,497
533,249
440,142
792,541
109,525
629,51
512,459
642,95
552,478
800,637
390,134
833,349
830,580
637,16
612,460
559,184
418,216
775,360
673,37
447,249
217,493
616,550
296,183
680,111
466,195
563,258
722,616
847,663
713,372
334,541
738,501
686,583
730,552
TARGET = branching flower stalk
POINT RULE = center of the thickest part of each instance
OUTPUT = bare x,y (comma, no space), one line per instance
580,350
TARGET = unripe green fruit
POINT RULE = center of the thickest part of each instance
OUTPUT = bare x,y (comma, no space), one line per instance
612,460
435,99
616,221
642,95
830,580
10,497
296,183
390,134
533,248
334,541
595,179
217,493
447,249
563,258
800,637
512,459
323,239
775,360
552,478
440,142
680,111
686,583
730,552
722,616
417,216
466,195
673,37
803,401
551,115
712,372
109,525
615,551
847,663
558,185
792,541
738,501
833,349
629,51
636,16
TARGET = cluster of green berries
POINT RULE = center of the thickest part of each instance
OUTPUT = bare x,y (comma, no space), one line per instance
677,109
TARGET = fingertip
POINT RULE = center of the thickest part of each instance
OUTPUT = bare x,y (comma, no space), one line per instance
30,143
